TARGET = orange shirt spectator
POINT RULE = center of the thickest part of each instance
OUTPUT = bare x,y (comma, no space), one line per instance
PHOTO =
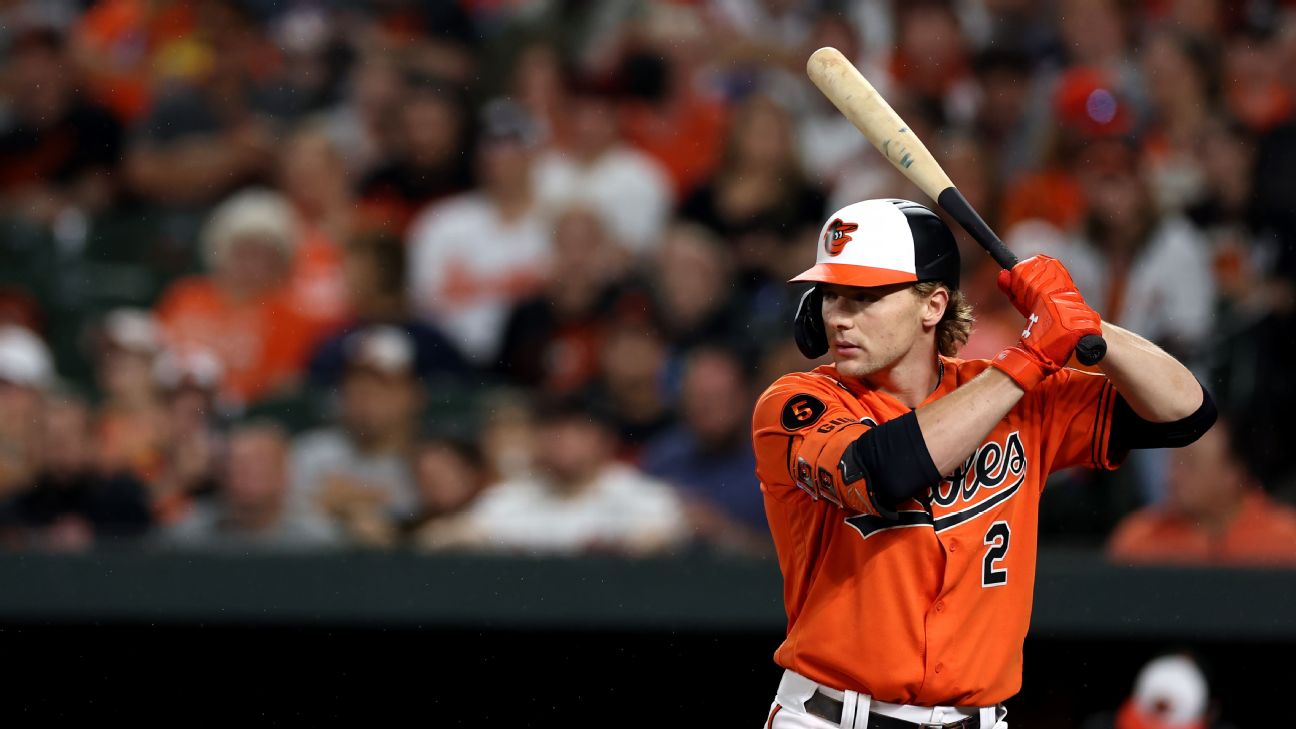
1214,514
262,343
685,134
313,176
119,42
317,283
244,312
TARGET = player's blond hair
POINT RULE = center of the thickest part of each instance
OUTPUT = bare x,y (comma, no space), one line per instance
956,324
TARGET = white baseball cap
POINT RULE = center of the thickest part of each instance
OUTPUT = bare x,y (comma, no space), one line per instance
883,242
1173,689
382,348
24,358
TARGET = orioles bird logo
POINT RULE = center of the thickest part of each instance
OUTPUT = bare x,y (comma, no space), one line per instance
838,235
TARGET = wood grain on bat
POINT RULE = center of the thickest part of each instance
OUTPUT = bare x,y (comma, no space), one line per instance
859,102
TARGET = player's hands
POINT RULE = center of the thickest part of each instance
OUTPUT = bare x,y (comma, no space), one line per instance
1057,317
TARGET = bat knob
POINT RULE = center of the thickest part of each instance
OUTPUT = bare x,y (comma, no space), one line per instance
1091,349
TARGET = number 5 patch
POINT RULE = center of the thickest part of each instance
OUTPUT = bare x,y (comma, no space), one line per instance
802,411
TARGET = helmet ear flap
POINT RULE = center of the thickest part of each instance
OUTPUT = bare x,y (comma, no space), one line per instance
808,328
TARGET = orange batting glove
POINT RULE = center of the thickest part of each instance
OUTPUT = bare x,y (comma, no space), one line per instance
1056,319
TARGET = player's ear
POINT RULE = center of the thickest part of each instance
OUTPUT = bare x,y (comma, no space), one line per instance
934,305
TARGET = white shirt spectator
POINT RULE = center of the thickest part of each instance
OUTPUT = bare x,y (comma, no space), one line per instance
1169,291
629,189
623,510
468,267
321,455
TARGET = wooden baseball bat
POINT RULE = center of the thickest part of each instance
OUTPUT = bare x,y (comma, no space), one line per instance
859,102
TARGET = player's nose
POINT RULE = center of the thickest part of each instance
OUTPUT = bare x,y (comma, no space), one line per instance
837,318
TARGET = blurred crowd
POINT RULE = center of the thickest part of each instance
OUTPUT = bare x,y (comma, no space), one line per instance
509,275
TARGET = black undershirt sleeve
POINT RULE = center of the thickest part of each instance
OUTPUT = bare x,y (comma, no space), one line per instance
1129,431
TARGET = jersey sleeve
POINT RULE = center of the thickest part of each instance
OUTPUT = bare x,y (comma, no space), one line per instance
1075,412
800,430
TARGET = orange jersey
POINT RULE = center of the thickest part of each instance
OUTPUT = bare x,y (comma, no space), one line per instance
931,609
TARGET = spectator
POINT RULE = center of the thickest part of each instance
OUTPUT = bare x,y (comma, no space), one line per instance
26,372
374,265
508,435
1149,273
553,341
597,168
358,473
190,386
251,510
451,474
1005,121
1170,692
1096,34
931,61
1183,83
242,311
131,428
633,378
212,130
829,145
694,291
581,501
757,200
1255,88
59,151
426,162
363,125
708,457
124,45
71,504
665,110
1215,512
314,179
539,83
473,256
1086,106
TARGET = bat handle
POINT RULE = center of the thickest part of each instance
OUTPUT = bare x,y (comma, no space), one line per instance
1092,347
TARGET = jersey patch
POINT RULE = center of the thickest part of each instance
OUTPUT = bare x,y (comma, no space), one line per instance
802,411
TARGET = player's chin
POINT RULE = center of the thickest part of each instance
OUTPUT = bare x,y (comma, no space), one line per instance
855,365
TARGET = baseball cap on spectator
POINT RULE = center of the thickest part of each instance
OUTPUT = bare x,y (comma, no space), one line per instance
256,213
1086,102
132,330
1169,693
24,358
503,120
196,368
384,349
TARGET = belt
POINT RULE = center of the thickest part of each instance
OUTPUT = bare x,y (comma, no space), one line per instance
830,709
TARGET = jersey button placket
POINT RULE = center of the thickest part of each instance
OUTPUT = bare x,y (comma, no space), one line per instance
940,606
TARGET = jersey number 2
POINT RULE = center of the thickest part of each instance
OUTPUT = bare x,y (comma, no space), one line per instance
997,539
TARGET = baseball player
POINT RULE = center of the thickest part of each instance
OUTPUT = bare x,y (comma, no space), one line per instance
902,484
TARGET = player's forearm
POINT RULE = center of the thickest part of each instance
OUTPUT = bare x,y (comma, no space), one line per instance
956,424
1157,386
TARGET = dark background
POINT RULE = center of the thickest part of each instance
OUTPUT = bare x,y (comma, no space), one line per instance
455,677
